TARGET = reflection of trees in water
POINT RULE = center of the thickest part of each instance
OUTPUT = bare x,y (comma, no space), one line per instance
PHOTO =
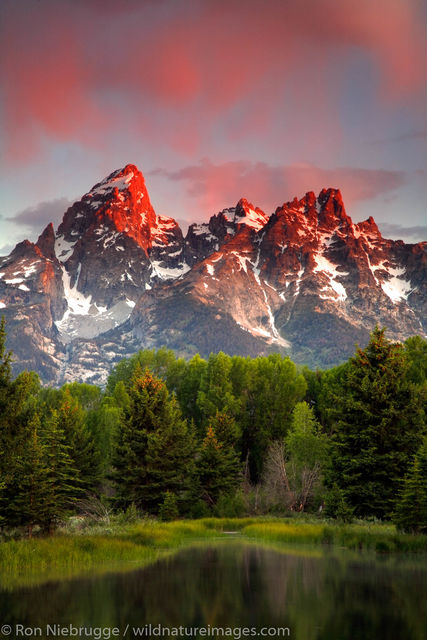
325,598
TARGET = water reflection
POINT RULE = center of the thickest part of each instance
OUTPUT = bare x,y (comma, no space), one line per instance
231,585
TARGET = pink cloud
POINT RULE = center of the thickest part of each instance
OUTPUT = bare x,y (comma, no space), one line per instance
215,186
185,69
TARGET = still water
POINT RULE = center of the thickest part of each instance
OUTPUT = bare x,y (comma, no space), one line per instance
305,595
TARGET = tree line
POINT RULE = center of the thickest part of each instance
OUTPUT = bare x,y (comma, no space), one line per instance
227,435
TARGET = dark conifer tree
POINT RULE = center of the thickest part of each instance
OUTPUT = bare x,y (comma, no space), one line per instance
16,411
411,508
29,503
218,468
155,451
84,455
379,423
63,486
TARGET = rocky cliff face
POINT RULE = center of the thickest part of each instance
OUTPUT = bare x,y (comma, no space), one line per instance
116,277
307,281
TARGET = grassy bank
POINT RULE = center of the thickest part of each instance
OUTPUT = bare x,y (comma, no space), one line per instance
382,538
107,547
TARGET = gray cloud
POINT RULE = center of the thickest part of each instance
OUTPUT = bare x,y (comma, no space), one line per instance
5,249
400,232
404,137
38,216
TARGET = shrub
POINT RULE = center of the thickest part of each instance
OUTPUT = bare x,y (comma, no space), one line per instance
168,509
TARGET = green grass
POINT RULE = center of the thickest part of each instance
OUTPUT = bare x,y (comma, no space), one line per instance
113,547
382,538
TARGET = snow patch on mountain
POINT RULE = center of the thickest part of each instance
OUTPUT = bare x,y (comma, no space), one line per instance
119,182
14,281
253,219
325,266
63,248
168,273
396,287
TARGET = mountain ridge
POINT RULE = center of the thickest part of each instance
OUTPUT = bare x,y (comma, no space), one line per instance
305,281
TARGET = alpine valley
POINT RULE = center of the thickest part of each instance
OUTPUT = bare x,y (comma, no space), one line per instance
115,277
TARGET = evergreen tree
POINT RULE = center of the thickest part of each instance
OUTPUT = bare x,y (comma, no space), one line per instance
218,468
379,422
30,500
103,425
155,451
16,412
63,486
226,429
85,457
168,509
416,351
5,365
336,506
411,508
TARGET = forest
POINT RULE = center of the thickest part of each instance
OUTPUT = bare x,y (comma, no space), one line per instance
228,436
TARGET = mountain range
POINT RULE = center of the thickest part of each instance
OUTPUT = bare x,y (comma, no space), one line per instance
115,277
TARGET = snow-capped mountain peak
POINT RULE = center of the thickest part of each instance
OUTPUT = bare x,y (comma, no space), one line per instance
246,213
117,277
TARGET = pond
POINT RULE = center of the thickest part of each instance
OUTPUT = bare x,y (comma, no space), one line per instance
232,590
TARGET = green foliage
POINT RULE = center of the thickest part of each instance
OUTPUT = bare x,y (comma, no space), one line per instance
379,423
336,506
416,352
29,505
216,390
162,363
17,400
85,456
189,387
306,450
155,449
5,363
182,438
80,432
64,483
169,508
103,425
305,443
230,505
411,508
130,515
218,467
274,387
88,395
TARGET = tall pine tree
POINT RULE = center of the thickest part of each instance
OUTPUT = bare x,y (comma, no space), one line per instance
155,451
411,508
379,423
218,464
29,503
63,486
16,412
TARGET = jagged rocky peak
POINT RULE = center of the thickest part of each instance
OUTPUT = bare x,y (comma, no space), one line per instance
331,208
325,212
369,228
246,213
202,239
46,242
306,279
118,204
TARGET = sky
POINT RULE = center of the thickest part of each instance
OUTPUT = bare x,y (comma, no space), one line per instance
214,100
